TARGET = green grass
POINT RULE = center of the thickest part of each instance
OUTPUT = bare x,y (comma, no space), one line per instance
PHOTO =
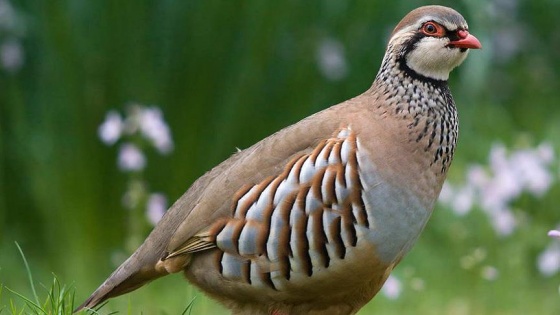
56,298
59,299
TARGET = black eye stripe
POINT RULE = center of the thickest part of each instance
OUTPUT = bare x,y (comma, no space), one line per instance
452,35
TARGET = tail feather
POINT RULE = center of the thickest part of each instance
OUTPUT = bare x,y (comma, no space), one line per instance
145,264
125,279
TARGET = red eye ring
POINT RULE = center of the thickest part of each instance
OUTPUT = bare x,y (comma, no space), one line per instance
433,29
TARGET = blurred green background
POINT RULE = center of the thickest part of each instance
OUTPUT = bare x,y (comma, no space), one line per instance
228,73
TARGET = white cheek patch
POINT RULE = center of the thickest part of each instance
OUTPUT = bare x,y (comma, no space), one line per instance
431,58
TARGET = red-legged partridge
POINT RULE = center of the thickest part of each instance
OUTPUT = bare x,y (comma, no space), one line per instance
314,218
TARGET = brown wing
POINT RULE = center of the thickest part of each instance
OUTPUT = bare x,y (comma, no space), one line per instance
293,224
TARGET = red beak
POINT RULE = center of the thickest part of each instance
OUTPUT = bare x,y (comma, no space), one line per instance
466,40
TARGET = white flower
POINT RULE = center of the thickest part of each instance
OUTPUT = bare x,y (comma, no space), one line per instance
8,16
546,152
447,193
459,199
155,207
131,158
153,126
489,273
504,186
548,261
12,30
532,172
111,129
554,234
331,60
392,288
508,176
11,55
464,200
503,221
477,176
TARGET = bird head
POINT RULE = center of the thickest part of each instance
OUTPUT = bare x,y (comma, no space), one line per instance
431,41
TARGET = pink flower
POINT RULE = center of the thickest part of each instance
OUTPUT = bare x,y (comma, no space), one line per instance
548,261
111,129
154,127
331,59
155,208
392,288
554,234
131,158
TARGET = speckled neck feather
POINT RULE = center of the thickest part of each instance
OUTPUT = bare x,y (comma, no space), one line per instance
424,103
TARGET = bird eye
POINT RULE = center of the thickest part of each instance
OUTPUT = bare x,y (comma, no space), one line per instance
431,28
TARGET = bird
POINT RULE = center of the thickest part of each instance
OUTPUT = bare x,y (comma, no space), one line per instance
314,218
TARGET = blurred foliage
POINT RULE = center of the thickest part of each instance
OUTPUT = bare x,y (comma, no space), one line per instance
228,73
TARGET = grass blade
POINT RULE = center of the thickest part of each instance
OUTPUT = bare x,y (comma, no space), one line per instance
189,307
38,309
29,275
